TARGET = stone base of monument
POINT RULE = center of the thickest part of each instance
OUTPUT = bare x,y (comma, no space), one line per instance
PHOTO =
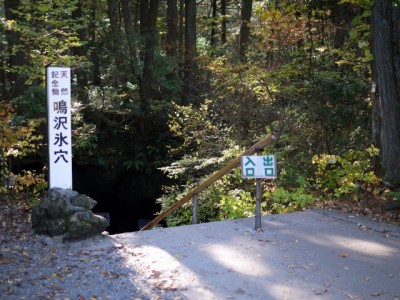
66,214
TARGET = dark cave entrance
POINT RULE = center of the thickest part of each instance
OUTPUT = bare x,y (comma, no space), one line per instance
126,198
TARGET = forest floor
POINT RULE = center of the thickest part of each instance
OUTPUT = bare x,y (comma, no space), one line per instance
368,204
39,267
35,267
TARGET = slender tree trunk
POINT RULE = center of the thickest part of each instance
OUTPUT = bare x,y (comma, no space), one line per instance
148,34
244,35
342,17
3,66
181,38
129,35
223,21
189,65
81,51
376,127
119,74
213,38
94,56
386,45
171,40
3,90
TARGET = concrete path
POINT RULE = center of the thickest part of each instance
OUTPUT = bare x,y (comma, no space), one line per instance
314,254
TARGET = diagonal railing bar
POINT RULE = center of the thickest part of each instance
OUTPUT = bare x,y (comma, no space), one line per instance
210,180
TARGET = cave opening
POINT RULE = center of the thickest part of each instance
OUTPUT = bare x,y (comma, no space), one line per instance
126,198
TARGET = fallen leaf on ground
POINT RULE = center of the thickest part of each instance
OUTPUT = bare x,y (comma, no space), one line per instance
320,291
355,297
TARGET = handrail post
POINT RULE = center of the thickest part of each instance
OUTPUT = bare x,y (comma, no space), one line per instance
195,204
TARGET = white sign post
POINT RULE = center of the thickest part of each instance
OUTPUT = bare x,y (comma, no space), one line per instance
259,167
58,83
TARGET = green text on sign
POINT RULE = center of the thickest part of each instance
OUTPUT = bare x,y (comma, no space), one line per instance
259,166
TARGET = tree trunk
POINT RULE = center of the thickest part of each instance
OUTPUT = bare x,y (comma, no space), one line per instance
213,38
94,56
341,17
148,34
386,45
189,65
376,127
244,35
171,40
3,66
129,34
119,74
81,51
181,38
223,22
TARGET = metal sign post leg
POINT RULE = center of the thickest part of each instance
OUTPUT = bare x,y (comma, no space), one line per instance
258,203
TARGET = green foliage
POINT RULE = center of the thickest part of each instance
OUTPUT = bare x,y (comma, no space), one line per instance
394,194
18,141
48,33
356,51
31,105
283,200
113,131
220,201
207,209
341,175
29,187
236,204
28,123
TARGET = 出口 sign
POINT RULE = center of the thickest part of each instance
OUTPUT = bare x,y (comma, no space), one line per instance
259,166
58,82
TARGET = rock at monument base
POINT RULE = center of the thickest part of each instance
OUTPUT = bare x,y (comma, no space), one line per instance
67,214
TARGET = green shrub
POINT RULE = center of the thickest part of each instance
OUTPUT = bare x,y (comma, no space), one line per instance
282,200
341,175
236,204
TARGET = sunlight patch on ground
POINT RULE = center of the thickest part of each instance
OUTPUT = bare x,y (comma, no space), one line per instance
363,246
229,256
283,291
353,244
164,271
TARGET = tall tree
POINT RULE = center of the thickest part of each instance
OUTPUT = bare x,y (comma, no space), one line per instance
189,65
3,58
171,40
118,45
386,65
94,53
244,35
129,34
148,17
181,30
213,38
80,51
223,21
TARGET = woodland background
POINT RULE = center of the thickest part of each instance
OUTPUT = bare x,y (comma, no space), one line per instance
184,86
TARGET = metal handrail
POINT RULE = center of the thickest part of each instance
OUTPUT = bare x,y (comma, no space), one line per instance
210,180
